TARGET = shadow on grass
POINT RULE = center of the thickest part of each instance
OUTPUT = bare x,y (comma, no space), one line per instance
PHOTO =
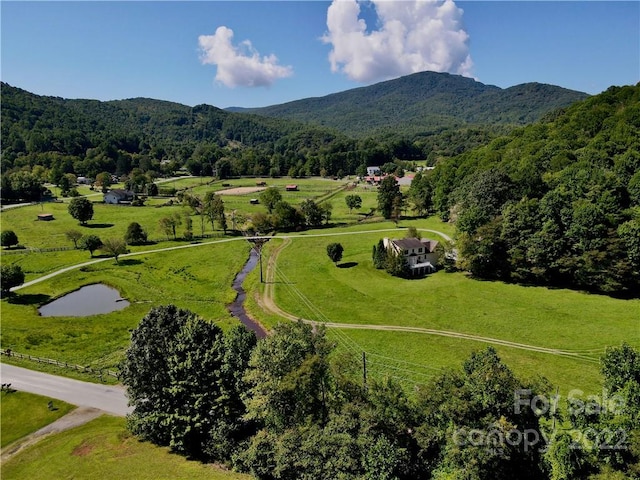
129,261
28,299
99,225
348,265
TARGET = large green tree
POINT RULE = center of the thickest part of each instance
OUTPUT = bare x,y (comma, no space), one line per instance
270,198
334,252
90,243
81,209
388,193
8,238
353,201
135,234
10,276
183,378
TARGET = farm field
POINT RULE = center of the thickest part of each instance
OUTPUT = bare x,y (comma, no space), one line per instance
308,285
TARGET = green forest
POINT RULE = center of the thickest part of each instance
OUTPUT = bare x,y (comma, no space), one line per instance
555,203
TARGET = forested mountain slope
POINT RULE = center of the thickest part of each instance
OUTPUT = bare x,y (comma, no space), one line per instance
557,202
422,103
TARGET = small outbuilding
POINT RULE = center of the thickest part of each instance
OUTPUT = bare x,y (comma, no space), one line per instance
254,201
45,217
291,188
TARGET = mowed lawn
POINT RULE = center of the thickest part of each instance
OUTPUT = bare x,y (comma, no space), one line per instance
103,448
23,413
198,278
309,285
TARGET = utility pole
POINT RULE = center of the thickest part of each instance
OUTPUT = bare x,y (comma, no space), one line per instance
258,242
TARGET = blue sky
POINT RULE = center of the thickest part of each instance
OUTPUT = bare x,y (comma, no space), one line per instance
246,53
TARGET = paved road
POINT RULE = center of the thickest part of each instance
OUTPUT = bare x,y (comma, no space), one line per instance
109,398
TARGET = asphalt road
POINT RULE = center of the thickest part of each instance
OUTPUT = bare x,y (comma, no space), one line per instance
109,398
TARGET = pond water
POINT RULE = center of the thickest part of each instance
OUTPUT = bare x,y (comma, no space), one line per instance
89,300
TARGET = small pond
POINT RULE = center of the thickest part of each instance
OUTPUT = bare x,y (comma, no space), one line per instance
89,300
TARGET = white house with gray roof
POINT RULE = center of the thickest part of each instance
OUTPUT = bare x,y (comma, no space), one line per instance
420,253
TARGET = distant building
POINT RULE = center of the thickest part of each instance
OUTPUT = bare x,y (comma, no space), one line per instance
373,171
84,180
118,196
291,188
420,253
45,216
254,201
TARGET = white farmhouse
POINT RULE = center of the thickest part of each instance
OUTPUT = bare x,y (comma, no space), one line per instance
420,253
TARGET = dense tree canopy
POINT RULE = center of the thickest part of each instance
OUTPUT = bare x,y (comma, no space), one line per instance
184,380
553,203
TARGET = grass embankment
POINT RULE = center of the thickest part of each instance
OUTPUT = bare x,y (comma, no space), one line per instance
197,278
104,449
23,413
310,286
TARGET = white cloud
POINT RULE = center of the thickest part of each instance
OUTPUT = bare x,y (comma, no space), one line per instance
412,36
239,65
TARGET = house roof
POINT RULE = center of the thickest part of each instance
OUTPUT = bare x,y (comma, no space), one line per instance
119,193
408,243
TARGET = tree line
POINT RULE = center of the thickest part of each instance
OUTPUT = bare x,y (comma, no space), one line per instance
291,407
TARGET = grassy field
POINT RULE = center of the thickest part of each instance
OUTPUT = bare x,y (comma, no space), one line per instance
24,413
104,449
197,278
310,286
560,319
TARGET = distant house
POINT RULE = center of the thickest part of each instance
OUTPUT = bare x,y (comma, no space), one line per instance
291,188
46,217
118,196
373,171
84,181
420,253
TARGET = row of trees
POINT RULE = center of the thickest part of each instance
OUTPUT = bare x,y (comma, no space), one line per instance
290,407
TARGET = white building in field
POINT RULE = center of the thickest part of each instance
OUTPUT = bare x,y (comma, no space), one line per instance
118,196
420,253
373,171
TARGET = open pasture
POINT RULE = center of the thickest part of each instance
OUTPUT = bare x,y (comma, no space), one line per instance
309,285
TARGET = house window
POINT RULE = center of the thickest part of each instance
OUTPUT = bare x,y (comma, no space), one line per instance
406,252
420,250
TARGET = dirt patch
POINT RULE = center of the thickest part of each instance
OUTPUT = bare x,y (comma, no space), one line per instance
82,450
240,190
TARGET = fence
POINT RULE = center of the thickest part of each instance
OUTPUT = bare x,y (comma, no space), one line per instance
50,361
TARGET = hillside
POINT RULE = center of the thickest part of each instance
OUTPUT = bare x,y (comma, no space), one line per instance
424,102
554,203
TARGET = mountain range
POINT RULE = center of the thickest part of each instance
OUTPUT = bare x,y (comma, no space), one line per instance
423,103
